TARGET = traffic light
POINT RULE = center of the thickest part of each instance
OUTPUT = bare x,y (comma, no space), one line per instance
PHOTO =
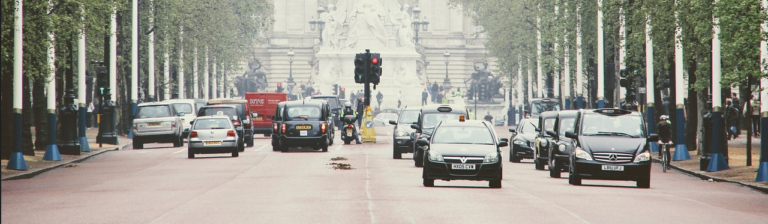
279,87
335,89
342,94
624,82
360,64
375,74
102,79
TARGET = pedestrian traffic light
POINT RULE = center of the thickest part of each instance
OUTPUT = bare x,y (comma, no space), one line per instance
279,87
375,74
102,79
335,89
360,64
342,94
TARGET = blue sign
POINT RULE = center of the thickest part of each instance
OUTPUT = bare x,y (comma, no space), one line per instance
368,124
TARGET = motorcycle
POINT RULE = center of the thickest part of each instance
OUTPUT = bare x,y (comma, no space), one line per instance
348,133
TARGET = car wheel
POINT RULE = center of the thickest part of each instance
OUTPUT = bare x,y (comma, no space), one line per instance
554,169
190,154
396,154
325,146
275,145
537,162
181,141
250,142
644,183
346,142
332,137
494,183
574,179
241,146
283,147
512,155
235,153
137,143
419,158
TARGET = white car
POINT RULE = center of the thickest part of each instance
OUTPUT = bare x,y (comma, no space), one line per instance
382,119
189,109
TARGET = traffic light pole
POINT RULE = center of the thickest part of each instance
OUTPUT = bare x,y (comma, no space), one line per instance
366,78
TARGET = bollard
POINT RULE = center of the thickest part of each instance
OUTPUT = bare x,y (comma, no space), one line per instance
717,158
706,150
68,143
107,132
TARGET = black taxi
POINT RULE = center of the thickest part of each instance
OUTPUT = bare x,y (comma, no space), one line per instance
402,134
306,123
277,121
463,150
560,147
610,144
431,116
541,150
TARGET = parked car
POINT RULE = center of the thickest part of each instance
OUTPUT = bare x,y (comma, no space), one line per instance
231,112
245,114
306,123
189,108
382,119
264,104
157,122
212,134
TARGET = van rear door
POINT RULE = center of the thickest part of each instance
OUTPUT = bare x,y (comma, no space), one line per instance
264,104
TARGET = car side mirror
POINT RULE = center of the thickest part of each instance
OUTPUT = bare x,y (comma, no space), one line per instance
551,133
254,115
415,126
180,114
239,128
504,140
422,142
512,130
191,122
570,134
538,129
503,144
271,117
653,138
392,122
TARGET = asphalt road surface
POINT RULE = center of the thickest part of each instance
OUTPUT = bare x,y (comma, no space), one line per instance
159,184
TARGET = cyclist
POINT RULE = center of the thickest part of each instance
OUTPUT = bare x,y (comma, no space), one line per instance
665,131
349,111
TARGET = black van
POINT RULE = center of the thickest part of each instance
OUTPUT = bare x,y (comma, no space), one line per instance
305,123
430,116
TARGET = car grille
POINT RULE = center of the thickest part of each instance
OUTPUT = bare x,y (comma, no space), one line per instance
613,157
476,160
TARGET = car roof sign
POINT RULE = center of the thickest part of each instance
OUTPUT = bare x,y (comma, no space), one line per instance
612,111
444,109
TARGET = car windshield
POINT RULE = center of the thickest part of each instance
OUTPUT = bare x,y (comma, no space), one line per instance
227,111
333,101
183,108
387,116
303,113
431,120
598,124
409,117
153,111
539,107
212,123
566,124
462,135
239,106
527,128
549,124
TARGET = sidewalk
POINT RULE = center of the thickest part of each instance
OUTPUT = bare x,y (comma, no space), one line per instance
738,173
36,165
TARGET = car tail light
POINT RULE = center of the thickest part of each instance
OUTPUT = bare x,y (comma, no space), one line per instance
173,124
350,126
236,123
230,133
274,128
135,127
322,128
282,128
193,134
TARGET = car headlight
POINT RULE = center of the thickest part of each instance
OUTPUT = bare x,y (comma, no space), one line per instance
581,154
436,157
561,148
401,134
543,143
643,156
518,142
491,158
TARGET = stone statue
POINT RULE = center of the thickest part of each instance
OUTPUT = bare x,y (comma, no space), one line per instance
333,26
366,19
402,21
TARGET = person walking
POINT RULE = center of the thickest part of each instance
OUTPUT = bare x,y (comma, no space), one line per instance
424,96
731,116
360,108
737,105
435,92
753,113
488,117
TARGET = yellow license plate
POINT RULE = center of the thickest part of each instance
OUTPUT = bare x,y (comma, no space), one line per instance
303,127
212,143
258,118
154,124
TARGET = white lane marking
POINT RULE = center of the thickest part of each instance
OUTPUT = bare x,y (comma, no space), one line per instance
338,147
256,150
368,190
180,150
556,205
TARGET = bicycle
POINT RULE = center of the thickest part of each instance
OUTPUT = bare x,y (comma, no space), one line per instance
665,156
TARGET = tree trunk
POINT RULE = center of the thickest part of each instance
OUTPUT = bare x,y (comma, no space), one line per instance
6,127
26,126
41,117
673,99
123,106
692,113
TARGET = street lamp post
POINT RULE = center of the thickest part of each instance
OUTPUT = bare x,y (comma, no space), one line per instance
319,23
290,68
416,24
446,81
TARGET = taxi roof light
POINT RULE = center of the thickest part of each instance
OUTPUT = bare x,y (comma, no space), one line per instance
613,111
461,118
444,109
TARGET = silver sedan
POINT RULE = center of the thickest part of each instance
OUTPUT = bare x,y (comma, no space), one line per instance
212,134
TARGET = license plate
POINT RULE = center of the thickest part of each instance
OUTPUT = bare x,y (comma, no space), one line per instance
154,124
305,127
613,168
212,143
303,133
258,118
462,166
349,132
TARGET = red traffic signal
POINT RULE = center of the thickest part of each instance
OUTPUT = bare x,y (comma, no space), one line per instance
342,89
279,84
375,60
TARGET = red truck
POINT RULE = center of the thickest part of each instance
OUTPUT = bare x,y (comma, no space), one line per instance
264,104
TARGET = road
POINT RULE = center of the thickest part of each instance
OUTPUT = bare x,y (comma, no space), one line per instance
159,184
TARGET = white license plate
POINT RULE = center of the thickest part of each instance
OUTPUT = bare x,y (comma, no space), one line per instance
212,143
462,166
613,168
349,132
303,133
